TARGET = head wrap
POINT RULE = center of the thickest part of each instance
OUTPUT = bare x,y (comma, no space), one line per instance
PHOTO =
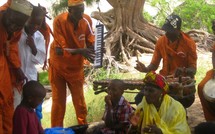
157,80
22,6
75,2
172,23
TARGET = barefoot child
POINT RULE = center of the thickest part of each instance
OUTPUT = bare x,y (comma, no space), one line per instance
25,120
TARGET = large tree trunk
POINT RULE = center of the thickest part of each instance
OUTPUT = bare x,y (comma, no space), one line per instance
127,29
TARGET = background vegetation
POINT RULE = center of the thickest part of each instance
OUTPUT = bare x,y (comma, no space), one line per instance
196,14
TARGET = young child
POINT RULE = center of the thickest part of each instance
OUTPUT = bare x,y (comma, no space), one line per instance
117,109
25,120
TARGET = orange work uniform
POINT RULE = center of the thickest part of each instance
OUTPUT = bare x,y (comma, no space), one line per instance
46,33
6,5
8,57
170,53
209,113
67,69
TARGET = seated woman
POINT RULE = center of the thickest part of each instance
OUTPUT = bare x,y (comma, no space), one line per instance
158,113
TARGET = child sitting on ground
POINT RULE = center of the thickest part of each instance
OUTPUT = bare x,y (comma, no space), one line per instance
117,109
25,120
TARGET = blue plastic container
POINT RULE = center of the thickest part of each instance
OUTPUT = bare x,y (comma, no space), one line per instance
59,130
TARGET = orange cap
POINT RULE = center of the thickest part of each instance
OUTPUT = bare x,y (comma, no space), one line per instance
75,2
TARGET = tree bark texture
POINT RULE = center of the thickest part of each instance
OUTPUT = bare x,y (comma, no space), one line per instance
127,29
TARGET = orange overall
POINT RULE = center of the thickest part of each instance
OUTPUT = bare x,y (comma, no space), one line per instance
208,111
169,52
8,57
67,69
6,5
46,33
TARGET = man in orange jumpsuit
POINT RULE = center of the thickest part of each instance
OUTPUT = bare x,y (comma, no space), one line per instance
209,113
176,50
73,41
12,21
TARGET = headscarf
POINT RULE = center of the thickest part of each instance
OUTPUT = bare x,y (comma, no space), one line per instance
75,2
157,80
22,6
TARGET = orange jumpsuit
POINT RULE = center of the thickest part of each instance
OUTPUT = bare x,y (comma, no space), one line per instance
169,52
67,69
46,31
8,57
6,5
208,111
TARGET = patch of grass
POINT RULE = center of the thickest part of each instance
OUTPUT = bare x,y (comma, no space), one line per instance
96,104
43,78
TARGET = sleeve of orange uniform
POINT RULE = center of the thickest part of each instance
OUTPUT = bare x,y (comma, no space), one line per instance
58,33
6,5
46,33
156,58
13,56
90,36
192,58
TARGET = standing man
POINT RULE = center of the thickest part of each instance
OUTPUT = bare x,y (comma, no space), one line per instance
12,21
209,113
73,41
176,50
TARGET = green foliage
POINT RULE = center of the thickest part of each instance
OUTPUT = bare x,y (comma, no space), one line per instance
61,6
148,17
164,8
43,78
196,15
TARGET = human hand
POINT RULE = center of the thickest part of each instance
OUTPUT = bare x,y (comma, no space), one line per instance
89,54
134,118
141,67
31,44
108,101
152,129
45,66
20,76
179,71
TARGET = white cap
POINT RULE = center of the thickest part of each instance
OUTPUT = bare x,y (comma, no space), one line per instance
22,6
